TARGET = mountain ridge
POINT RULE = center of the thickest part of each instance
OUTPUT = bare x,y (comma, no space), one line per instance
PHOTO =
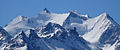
72,30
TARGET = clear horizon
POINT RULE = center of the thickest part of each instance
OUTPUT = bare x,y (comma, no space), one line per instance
10,9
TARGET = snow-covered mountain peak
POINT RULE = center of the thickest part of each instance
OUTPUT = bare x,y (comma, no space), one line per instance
45,10
101,28
18,19
106,16
76,13
70,30
75,17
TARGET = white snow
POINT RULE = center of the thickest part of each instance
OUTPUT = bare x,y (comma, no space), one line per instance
96,27
50,34
58,18
59,48
90,29
2,37
109,47
75,12
22,23
18,19
22,48
80,28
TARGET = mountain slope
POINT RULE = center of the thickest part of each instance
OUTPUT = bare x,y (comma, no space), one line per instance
67,40
22,23
4,37
101,27
76,20
56,34
72,31
104,31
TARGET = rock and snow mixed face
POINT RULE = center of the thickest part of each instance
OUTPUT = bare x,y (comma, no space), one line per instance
4,35
70,30
101,28
67,39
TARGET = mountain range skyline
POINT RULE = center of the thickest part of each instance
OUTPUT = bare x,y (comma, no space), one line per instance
59,25
63,13
72,31
11,9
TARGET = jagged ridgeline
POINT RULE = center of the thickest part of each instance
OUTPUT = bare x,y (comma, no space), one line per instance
67,31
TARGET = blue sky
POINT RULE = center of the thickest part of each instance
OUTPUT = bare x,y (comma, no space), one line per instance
9,9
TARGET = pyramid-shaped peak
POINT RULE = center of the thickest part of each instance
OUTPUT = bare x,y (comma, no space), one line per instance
104,15
45,10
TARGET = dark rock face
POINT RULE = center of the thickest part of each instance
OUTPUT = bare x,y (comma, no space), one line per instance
111,35
4,36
